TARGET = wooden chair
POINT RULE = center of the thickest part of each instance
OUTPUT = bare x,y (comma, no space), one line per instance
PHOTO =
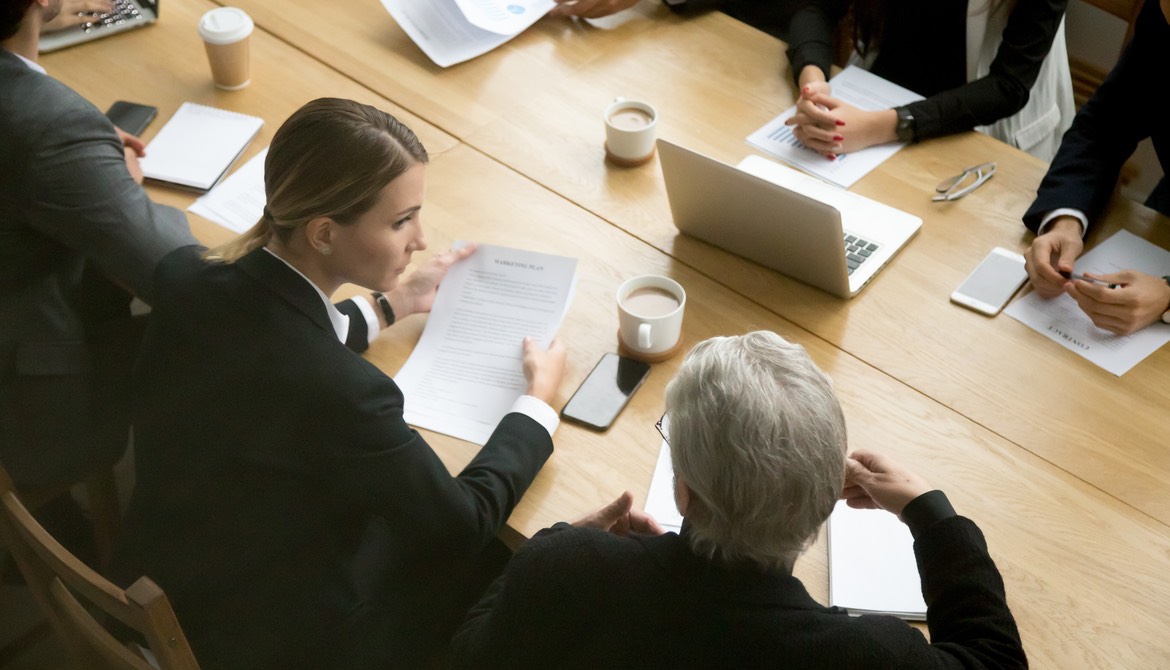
1087,77
60,583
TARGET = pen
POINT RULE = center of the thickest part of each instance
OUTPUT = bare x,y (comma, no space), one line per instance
1091,280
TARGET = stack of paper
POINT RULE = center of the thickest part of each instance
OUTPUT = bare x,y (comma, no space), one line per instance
872,569
452,31
660,500
198,145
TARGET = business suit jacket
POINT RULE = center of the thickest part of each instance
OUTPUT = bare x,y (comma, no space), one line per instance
291,515
70,217
582,598
1109,126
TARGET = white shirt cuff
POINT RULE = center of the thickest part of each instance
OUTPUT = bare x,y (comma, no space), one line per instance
367,310
1063,211
539,411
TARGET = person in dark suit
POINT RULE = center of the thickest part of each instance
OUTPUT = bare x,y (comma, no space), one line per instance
1084,174
78,237
1000,66
292,516
757,441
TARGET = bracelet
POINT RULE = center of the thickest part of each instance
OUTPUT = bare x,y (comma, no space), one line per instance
384,303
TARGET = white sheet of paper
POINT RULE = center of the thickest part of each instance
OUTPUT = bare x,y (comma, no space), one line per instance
660,499
238,201
871,564
857,87
1062,321
465,372
504,17
441,30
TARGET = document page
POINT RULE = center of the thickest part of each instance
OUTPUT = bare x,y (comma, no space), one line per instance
441,30
660,500
198,145
859,88
1062,321
871,564
504,17
466,370
238,201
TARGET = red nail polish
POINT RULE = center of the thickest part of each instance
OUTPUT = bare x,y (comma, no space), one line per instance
838,138
832,157
840,122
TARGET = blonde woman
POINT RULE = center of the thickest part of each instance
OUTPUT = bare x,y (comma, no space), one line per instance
292,516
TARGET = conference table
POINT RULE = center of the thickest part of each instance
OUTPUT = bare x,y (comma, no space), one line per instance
1057,461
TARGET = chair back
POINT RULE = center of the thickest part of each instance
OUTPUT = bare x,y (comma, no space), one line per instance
61,583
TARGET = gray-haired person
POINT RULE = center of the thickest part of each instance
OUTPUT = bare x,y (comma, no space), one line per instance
759,448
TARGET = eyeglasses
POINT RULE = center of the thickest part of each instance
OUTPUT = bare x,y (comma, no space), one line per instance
963,183
662,429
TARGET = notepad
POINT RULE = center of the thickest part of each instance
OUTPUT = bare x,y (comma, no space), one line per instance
198,145
872,569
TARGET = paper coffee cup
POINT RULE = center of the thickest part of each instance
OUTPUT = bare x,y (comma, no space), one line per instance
630,126
650,317
226,33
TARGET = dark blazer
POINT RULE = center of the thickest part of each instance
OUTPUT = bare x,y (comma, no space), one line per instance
581,598
70,217
291,515
1109,126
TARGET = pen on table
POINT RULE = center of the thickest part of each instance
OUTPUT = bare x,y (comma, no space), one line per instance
1091,280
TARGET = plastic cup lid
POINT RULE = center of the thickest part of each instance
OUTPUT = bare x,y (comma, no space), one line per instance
225,25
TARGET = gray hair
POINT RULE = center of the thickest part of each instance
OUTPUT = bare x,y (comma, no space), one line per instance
757,435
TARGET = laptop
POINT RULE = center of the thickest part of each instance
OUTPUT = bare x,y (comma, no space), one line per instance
126,15
783,219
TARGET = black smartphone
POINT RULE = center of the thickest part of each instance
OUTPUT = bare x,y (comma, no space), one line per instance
131,116
605,392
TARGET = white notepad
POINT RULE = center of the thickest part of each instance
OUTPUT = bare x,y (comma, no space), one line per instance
198,145
872,569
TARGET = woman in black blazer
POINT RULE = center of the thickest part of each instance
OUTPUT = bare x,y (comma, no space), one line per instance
282,502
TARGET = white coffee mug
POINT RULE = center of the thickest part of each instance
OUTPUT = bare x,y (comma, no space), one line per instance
650,315
629,132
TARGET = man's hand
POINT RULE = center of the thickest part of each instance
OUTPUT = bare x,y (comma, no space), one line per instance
620,518
1053,253
876,482
77,12
1139,300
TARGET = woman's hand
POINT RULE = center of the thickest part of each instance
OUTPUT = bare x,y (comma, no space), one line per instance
416,293
543,368
620,518
876,482
830,126
590,9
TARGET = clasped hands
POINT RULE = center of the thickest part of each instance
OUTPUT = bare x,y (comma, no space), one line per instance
831,126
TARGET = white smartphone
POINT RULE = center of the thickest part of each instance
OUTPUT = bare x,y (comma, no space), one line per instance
993,283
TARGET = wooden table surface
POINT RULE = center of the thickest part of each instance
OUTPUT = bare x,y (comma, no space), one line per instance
1057,461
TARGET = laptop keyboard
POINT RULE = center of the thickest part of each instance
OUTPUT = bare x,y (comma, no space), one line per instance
124,11
857,251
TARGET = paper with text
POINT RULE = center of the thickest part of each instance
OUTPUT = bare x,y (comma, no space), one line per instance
872,568
859,88
442,31
660,499
504,17
238,201
1062,321
466,370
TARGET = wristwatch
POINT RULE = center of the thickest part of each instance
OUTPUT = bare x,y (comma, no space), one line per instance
907,128
1166,314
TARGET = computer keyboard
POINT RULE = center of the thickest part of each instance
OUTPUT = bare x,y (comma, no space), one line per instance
857,251
124,11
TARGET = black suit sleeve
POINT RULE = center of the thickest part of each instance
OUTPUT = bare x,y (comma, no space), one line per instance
810,35
1107,129
358,338
1027,38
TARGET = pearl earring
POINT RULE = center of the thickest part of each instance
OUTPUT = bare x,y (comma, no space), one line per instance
325,251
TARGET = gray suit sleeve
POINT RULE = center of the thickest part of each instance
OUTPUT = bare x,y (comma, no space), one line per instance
81,194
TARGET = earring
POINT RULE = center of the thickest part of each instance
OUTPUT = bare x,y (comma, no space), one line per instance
325,251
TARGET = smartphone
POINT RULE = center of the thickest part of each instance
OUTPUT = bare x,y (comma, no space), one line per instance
993,283
131,116
605,392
